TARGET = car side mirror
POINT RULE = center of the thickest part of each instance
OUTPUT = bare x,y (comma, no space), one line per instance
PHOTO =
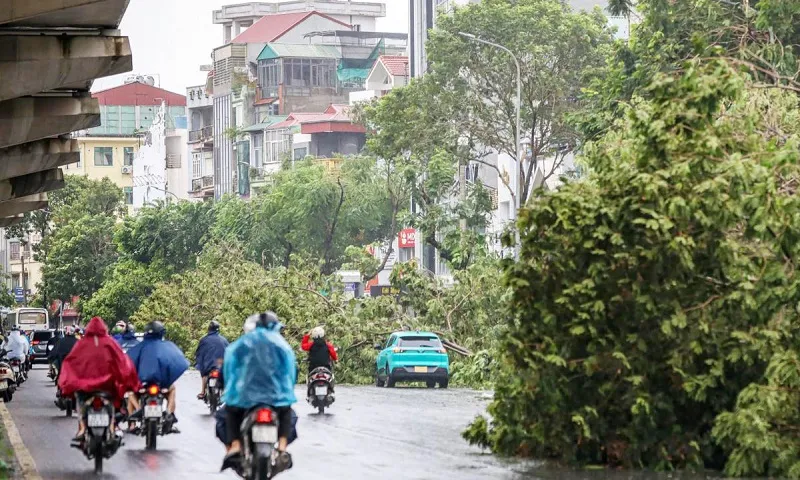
378,347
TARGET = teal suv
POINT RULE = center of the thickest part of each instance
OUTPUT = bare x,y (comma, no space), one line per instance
412,357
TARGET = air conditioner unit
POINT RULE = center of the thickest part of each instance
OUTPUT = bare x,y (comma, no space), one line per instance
127,169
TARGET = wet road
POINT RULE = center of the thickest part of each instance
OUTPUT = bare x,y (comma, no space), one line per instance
370,433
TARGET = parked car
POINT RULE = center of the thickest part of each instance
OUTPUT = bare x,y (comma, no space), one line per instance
412,357
39,343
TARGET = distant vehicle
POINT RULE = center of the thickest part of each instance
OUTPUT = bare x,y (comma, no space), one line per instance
412,357
28,319
39,341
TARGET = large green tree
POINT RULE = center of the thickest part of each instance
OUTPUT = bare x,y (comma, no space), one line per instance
651,296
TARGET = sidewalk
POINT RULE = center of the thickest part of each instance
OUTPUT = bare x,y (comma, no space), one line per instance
8,461
12,450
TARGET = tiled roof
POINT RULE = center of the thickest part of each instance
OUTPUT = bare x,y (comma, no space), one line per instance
334,113
137,93
396,65
271,27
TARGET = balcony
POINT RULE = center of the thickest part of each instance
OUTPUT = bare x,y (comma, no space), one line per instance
205,134
203,186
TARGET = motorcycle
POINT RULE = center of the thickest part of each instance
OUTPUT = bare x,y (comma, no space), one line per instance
320,391
259,446
100,441
8,380
214,391
154,421
65,403
19,370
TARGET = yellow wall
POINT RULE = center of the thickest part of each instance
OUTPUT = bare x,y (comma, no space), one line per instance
98,172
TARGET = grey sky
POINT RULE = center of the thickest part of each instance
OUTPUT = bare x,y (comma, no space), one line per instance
172,38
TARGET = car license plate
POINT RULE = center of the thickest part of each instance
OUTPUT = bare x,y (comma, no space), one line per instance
321,391
96,420
152,411
420,369
212,382
265,433
3,385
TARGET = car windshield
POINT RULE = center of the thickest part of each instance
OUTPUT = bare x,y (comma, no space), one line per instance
419,342
42,336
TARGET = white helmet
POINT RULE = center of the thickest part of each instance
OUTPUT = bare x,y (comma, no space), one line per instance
317,332
250,323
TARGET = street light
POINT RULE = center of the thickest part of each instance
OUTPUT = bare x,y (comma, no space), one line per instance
518,163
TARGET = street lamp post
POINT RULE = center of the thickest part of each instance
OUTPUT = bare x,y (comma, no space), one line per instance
518,143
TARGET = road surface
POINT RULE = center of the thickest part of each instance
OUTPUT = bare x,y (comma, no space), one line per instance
370,433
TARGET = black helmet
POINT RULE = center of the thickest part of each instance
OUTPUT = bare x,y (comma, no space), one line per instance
130,328
268,318
213,326
155,328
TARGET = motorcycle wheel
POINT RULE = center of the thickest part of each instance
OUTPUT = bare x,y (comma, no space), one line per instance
263,468
321,409
69,408
98,459
6,396
151,434
212,403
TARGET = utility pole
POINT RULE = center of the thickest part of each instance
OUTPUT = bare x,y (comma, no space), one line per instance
462,191
22,278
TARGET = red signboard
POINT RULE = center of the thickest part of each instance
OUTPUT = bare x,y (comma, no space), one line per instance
407,238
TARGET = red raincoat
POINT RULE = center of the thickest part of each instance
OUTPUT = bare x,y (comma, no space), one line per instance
98,364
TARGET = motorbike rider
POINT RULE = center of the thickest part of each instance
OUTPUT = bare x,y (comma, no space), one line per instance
62,349
96,364
118,331
16,345
321,353
159,362
259,369
209,354
129,339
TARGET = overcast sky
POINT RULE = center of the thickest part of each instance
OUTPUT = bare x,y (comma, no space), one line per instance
172,38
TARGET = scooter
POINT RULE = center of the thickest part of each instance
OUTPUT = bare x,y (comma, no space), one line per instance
65,403
320,389
8,381
154,420
259,446
100,441
19,370
213,391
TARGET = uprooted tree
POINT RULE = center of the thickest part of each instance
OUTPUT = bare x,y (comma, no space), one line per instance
657,299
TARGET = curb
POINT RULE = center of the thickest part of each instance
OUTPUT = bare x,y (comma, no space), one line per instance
24,458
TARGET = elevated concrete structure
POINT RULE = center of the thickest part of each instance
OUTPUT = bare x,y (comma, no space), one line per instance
31,184
28,119
38,156
22,205
11,221
50,53
90,14
33,64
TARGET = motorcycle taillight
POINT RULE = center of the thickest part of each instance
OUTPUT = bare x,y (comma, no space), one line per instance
97,403
152,390
264,416
214,374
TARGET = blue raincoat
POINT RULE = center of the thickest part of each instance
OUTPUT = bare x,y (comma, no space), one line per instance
210,348
158,361
128,341
260,369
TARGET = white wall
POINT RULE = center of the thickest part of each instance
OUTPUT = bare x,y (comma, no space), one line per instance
179,180
149,167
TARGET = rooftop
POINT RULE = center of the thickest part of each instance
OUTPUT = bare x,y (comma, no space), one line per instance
284,50
273,27
138,93
396,65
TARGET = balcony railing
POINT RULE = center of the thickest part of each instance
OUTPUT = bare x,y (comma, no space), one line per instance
205,133
202,183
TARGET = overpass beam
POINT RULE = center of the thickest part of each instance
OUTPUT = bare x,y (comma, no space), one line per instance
28,119
38,156
22,205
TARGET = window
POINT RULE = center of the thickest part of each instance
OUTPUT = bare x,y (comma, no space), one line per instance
80,158
15,283
14,247
405,254
300,153
128,156
278,142
258,150
104,156
419,342
197,165
128,195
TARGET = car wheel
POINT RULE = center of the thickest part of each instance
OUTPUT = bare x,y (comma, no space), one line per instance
430,384
389,380
443,383
378,381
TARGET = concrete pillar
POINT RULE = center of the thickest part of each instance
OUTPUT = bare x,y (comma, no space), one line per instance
38,156
23,205
28,119
33,183
60,13
33,64
226,34
237,28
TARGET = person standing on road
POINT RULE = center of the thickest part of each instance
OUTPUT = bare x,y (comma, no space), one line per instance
96,364
159,362
259,369
209,354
